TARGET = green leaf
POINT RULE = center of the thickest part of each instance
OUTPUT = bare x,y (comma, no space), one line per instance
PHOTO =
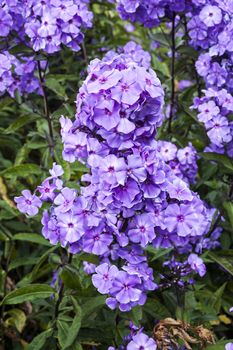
28,293
157,253
39,341
8,211
136,314
91,305
223,262
70,277
17,318
22,262
73,332
20,122
91,258
219,158
156,309
21,170
63,330
56,87
31,237
229,208
42,259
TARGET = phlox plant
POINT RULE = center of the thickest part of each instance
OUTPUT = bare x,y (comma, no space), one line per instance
116,174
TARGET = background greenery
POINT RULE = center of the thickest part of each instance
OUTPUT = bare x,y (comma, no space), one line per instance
35,315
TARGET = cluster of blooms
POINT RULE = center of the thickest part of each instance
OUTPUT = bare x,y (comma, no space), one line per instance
211,30
150,13
210,27
132,196
18,74
47,23
182,161
131,51
136,340
213,110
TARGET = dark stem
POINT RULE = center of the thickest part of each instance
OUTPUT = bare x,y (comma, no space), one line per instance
197,78
231,190
84,52
61,294
173,48
46,111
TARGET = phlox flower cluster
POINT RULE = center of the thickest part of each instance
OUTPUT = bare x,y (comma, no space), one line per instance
18,75
132,197
211,30
136,340
182,161
47,24
151,12
213,110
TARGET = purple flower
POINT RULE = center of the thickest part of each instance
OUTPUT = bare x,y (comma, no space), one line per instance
65,200
125,288
142,229
207,111
229,346
135,168
126,194
211,15
142,342
178,189
181,218
50,230
203,64
113,170
56,170
89,268
105,81
47,190
168,150
197,264
6,22
28,203
219,130
103,279
128,90
95,241
70,226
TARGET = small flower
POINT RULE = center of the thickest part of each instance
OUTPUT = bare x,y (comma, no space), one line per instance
181,218
178,189
28,203
229,346
103,278
65,200
125,288
142,342
197,264
142,229
211,15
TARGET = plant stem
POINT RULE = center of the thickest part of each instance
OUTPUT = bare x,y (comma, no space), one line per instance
84,53
61,292
46,112
173,48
